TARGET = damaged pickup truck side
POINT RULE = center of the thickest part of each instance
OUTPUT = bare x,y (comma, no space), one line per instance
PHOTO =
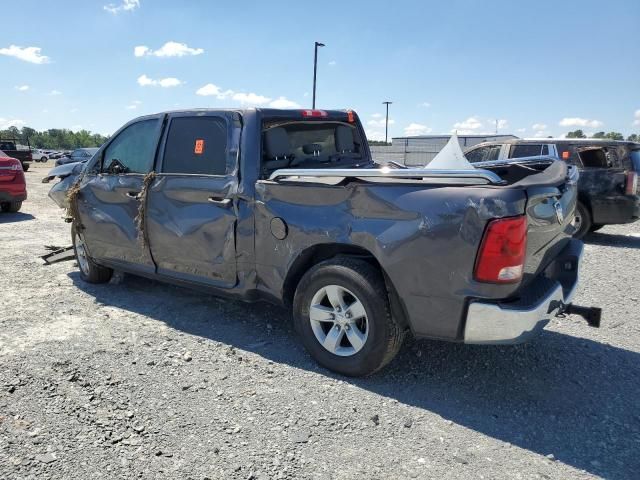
287,206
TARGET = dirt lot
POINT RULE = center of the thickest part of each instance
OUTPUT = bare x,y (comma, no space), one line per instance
141,380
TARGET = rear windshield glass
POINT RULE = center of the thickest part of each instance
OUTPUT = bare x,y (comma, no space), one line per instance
311,144
525,150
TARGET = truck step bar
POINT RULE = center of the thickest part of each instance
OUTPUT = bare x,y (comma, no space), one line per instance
459,177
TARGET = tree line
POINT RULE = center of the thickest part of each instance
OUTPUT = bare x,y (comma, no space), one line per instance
634,137
54,138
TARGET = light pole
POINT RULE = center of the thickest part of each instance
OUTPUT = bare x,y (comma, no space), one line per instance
386,123
315,70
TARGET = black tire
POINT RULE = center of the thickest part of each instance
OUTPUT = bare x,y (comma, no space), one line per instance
595,227
44,159
384,337
583,220
25,167
11,207
90,272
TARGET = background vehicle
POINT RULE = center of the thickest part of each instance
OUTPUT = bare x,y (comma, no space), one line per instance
10,148
39,155
78,155
607,189
287,206
13,188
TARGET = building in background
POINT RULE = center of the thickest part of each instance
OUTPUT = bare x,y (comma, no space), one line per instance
420,150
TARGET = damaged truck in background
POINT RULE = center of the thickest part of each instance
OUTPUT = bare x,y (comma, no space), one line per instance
287,206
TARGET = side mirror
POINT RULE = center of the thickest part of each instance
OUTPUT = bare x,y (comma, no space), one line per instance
116,167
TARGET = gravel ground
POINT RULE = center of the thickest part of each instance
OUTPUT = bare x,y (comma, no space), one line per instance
136,379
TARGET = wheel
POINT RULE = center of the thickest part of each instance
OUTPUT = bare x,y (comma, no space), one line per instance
89,271
582,220
342,314
44,159
25,167
595,227
11,207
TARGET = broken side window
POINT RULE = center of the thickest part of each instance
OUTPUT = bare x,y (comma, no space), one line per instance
593,157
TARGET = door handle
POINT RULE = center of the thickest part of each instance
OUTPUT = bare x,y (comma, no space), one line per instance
133,195
222,202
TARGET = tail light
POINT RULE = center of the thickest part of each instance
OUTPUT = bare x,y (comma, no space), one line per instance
314,113
10,164
502,251
631,185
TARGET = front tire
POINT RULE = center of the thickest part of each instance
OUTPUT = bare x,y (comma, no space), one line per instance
582,221
342,314
595,227
90,272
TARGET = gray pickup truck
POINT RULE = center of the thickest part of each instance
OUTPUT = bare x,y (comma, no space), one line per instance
287,206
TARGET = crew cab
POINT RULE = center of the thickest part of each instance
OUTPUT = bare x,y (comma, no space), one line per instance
287,206
13,188
608,186
10,148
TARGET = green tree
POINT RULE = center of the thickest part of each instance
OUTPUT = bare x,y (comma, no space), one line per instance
576,134
634,137
614,136
54,138
599,135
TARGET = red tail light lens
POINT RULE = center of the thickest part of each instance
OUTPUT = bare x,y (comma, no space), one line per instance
314,113
631,185
502,251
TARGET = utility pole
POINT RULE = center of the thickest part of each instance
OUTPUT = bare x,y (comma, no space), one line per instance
496,126
315,70
386,123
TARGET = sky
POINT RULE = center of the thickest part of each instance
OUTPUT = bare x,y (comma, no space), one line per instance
533,68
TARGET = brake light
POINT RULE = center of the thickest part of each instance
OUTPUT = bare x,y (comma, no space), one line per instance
502,251
314,113
631,185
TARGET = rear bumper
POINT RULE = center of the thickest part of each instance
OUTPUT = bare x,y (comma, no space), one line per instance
615,209
517,321
6,196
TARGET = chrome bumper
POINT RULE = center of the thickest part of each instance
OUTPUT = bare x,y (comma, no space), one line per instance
504,323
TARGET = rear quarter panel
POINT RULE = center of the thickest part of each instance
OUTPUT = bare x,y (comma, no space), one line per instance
425,239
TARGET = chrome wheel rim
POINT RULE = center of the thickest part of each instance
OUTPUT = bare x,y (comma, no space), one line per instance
81,255
338,320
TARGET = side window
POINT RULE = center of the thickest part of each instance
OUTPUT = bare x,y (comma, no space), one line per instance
545,149
134,148
196,145
484,154
525,150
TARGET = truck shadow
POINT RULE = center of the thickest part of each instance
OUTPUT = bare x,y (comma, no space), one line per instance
15,217
571,397
612,240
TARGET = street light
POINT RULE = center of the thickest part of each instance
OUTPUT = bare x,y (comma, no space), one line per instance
386,124
315,69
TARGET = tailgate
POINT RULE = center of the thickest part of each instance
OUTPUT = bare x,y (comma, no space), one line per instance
551,202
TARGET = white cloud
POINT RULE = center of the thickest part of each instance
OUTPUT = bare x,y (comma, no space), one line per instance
541,134
579,122
140,51
74,110
416,129
471,123
333,63
26,54
306,94
283,102
250,99
539,126
133,105
380,123
22,88
375,135
377,115
521,130
145,81
211,90
76,128
125,6
502,124
4,123
169,49
55,93
636,116
424,104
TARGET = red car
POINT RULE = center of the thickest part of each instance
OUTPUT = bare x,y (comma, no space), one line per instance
13,188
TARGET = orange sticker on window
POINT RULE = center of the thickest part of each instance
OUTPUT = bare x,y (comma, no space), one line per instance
565,155
199,147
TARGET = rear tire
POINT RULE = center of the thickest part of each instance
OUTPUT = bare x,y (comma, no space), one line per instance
365,336
11,207
25,167
582,220
595,227
90,272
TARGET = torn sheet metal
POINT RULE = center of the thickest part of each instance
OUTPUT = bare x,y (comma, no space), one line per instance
62,254
450,157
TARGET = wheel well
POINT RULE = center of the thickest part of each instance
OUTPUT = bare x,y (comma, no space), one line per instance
319,253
